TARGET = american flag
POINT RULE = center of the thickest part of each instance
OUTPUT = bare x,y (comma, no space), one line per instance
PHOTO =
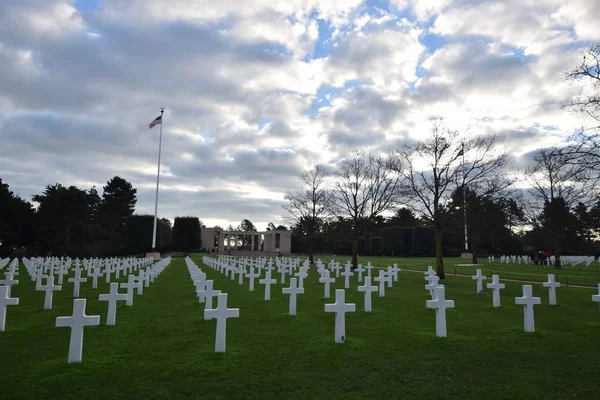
156,121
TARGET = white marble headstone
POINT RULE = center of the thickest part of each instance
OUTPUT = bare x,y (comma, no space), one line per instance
340,308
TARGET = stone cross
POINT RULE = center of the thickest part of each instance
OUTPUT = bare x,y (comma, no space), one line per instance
8,281
130,286
221,314
61,272
388,276
360,269
369,268
267,281
76,280
440,304
39,276
282,272
595,298
145,278
433,283
241,273
394,270
139,279
301,275
347,274
340,308
112,299
49,288
77,322
429,271
368,289
336,268
381,279
252,275
207,294
496,286
528,301
293,291
95,274
551,285
326,280
479,278
5,300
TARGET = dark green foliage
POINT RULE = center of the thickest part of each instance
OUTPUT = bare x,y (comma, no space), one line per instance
392,240
64,220
117,205
187,234
246,226
139,234
375,246
17,222
423,242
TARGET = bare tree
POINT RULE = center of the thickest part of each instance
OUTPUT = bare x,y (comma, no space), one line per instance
584,148
552,176
588,102
365,187
558,185
433,168
310,205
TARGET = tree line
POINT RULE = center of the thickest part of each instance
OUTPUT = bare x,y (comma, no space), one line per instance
70,221
552,206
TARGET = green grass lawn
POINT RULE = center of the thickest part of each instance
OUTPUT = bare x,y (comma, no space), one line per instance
161,348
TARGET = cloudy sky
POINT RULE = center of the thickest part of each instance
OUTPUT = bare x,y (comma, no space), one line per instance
258,91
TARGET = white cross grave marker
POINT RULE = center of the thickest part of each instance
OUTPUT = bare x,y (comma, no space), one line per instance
479,278
326,280
77,322
347,274
293,290
440,304
595,298
381,279
267,281
130,286
496,286
360,269
551,285
340,308
528,301
112,299
208,294
221,313
76,280
252,275
5,300
433,283
49,288
368,289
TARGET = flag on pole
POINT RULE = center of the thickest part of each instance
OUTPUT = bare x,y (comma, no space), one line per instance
156,121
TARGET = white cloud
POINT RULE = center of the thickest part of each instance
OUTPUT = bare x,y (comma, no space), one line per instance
248,106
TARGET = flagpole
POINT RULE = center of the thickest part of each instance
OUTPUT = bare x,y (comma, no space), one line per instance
162,110
465,198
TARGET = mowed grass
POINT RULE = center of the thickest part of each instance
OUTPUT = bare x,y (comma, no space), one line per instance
161,348
567,275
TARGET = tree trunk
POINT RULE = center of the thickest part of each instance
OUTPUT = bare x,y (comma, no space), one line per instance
439,260
354,251
474,259
310,250
557,263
